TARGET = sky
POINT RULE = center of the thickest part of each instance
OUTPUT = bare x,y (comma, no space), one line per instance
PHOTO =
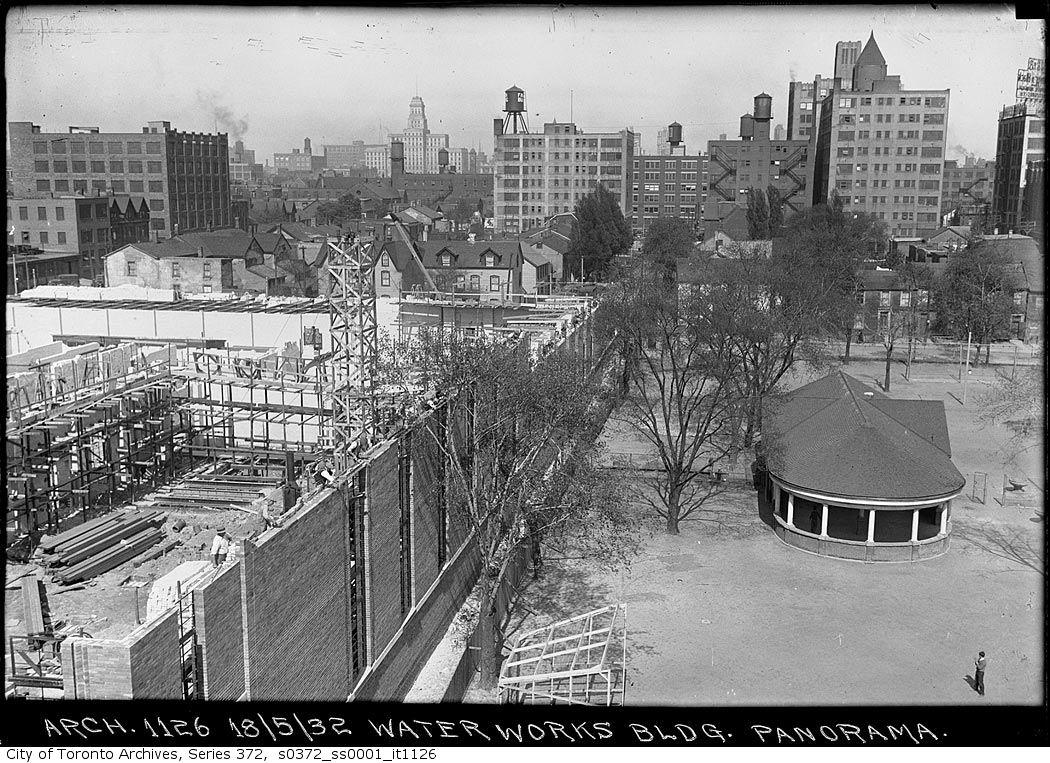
273,76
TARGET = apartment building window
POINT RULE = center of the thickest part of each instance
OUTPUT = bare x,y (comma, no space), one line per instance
61,237
153,167
96,147
61,185
41,213
60,213
39,146
116,167
41,166
43,237
152,148
76,147
61,166
135,186
156,186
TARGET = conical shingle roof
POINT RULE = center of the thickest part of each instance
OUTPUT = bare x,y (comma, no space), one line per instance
871,55
839,437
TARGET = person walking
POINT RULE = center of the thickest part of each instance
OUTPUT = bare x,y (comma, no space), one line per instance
220,547
978,672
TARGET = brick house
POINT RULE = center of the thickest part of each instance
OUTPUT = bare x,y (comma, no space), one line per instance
884,292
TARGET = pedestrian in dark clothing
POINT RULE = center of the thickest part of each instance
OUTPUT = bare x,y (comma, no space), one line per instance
978,672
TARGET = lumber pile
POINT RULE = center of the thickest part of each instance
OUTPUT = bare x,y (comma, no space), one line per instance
100,545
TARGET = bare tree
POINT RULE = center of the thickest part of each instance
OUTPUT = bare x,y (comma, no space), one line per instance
682,401
518,435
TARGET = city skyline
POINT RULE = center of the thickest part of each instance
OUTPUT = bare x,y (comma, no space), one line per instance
252,69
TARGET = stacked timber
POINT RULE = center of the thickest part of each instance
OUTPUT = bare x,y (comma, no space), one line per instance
100,545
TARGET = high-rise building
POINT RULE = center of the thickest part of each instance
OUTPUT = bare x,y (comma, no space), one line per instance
804,99
184,176
1031,84
846,53
421,145
1021,142
667,186
881,148
755,160
542,174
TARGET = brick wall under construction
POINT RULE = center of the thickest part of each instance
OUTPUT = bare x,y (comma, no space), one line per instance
280,622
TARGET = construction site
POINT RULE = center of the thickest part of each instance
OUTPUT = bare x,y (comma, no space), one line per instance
138,429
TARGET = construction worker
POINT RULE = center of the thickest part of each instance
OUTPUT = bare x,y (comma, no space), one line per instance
220,547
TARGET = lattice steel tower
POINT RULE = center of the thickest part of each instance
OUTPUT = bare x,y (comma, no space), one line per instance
352,309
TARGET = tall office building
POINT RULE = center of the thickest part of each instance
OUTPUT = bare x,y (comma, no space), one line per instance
881,148
185,176
421,145
542,174
1020,143
804,99
1031,84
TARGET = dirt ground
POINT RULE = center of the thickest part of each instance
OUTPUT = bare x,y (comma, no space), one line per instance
724,613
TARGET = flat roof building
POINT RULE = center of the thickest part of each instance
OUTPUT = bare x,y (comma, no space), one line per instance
881,148
1021,141
184,176
667,186
542,174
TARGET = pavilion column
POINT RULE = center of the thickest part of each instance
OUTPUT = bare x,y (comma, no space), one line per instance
944,517
871,525
776,499
824,520
791,509
914,525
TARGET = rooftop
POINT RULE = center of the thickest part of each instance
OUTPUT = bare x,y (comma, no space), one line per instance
837,436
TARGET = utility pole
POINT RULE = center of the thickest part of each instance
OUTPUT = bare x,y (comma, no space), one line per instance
969,337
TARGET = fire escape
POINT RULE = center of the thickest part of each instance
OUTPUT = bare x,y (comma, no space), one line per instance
787,167
728,166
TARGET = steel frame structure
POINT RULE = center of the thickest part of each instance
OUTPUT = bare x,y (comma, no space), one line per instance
355,350
578,661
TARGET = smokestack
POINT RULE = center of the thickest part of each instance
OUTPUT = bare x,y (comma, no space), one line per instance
397,158
306,145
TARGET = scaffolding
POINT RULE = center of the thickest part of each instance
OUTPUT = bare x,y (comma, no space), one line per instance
578,661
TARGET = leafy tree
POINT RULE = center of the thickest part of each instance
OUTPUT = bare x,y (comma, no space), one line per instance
599,233
667,240
776,210
975,294
339,211
757,214
522,467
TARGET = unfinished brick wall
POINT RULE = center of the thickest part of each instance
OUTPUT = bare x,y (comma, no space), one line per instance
156,660
96,669
296,603
391,678
384,549
427,499
217,618
146,664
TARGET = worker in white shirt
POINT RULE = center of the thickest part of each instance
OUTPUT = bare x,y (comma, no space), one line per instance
220,547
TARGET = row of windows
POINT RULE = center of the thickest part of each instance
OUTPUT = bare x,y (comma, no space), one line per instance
65,145
671,211
933,102
98,167
118,186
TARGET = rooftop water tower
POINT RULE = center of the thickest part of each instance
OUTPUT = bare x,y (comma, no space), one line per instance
674,135
747,127
442,160
514,107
